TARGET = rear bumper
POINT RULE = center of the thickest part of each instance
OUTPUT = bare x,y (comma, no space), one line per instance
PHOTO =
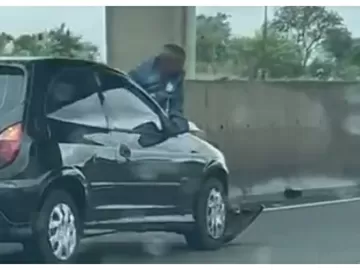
10,232
18,201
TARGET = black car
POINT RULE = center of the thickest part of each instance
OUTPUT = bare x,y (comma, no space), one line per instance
82,147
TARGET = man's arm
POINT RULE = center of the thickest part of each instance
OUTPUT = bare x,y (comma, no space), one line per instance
141,73
135,75
176,112
177,100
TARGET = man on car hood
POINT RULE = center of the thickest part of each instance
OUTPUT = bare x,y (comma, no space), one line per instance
162,77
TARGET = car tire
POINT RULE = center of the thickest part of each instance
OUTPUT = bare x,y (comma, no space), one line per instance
210,214
57,230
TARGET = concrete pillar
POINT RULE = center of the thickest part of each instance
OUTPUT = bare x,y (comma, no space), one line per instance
135,33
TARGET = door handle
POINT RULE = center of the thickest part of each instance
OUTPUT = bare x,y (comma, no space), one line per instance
124,151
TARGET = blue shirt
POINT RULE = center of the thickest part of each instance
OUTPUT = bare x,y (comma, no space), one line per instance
167,92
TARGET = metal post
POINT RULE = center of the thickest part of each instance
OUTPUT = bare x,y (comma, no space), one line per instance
264,41
190,42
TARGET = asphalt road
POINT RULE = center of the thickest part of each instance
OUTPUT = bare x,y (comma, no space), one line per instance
322,234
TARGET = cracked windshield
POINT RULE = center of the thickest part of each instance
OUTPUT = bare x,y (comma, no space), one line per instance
158,134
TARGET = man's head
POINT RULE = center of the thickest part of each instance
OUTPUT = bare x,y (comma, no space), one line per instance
171,59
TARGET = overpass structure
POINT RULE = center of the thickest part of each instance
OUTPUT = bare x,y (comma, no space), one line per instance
135,33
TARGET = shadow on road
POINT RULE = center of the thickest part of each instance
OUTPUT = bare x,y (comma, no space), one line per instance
148,251
111,252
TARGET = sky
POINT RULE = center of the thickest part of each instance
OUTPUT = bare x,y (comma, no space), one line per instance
90,21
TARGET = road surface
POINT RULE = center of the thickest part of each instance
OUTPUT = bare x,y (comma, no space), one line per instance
320,234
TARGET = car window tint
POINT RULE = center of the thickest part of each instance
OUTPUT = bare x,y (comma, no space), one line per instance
125,109
12,80
73,97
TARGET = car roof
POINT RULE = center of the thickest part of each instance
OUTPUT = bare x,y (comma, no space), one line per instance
29,59
23,58
38,59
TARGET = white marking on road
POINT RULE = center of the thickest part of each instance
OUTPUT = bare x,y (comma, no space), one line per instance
306,205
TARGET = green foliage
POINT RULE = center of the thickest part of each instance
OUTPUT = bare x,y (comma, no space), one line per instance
300,41
308,26
5,40
280,57
338,43
59,41
213,34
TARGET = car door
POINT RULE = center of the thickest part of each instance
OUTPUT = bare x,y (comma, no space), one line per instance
78,125
148,178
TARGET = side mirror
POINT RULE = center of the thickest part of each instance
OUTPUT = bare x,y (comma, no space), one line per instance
177,125
150,134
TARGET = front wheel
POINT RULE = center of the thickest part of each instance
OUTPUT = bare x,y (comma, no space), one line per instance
210,215
57,230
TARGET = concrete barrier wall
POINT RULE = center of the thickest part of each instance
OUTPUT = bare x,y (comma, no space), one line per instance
280,128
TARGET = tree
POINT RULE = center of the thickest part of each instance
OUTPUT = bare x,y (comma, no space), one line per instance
338,43
282,57
354,54
244,55
213,35
308,26
29,45
65,43
59,41
5,41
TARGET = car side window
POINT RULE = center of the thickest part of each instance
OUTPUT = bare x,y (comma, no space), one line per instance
73,97
123,104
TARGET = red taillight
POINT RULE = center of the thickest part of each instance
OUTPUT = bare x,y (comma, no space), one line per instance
10,140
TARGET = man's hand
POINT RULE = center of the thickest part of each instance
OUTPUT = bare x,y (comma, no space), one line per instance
160,96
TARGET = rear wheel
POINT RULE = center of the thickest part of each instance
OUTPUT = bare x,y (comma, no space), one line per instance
57,230
210,215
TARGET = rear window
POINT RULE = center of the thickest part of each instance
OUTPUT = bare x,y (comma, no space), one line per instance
11,86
